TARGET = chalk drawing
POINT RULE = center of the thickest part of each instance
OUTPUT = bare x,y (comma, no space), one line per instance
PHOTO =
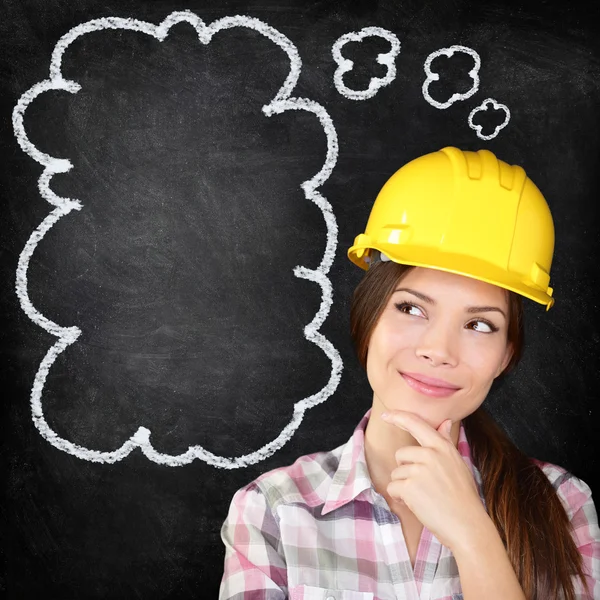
282,102
483,107
345,65
431,76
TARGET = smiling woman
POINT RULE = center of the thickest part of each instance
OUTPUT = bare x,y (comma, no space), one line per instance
429,498
470,353
439,348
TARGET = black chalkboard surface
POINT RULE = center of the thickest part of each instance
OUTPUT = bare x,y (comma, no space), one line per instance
180,185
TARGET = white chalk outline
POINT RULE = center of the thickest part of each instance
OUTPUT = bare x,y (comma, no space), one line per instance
483,107
67,335
345,65
431,76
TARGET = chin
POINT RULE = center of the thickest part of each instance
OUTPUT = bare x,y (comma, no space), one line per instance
429,409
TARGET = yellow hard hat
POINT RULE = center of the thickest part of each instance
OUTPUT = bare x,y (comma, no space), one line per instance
467,213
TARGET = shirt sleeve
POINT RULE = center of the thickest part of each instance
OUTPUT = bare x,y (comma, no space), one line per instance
255,567
578,501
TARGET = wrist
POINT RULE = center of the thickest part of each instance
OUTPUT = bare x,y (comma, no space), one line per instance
477,538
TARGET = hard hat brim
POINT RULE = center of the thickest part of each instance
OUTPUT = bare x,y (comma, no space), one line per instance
467,266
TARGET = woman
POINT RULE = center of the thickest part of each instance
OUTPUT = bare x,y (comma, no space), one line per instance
429,499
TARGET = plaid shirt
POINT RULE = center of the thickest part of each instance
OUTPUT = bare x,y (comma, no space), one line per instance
318,530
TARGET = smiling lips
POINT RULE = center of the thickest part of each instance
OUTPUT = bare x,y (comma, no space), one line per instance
428,385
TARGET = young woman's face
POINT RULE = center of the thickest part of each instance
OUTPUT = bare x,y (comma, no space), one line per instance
438,325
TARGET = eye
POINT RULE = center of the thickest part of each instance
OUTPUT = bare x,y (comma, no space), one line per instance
406,307
401,306
491,327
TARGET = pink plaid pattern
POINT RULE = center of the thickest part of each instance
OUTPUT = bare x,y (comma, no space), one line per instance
317,530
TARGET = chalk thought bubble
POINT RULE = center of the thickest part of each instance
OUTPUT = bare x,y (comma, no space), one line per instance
283,101
344,65
484,107
432,76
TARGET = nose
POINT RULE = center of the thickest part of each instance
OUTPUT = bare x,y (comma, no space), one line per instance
437,345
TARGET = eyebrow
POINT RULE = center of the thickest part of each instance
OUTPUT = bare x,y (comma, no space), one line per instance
470,309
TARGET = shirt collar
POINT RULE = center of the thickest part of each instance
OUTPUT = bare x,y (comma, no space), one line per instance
352,475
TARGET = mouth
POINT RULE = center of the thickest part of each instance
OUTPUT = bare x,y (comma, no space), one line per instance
429,389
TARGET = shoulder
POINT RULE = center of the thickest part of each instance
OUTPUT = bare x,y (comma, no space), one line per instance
572,491
306,481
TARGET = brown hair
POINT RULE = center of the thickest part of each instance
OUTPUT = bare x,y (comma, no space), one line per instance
523,505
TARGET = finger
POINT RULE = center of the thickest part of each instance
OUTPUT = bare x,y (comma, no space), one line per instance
397,489
414,454
422,431
404,471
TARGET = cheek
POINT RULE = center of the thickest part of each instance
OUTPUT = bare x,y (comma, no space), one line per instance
375,358
483,359
385,347
385,344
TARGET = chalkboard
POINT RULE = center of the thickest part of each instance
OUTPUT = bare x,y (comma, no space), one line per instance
180,185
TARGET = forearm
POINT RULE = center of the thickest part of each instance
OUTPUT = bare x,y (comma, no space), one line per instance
484,568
